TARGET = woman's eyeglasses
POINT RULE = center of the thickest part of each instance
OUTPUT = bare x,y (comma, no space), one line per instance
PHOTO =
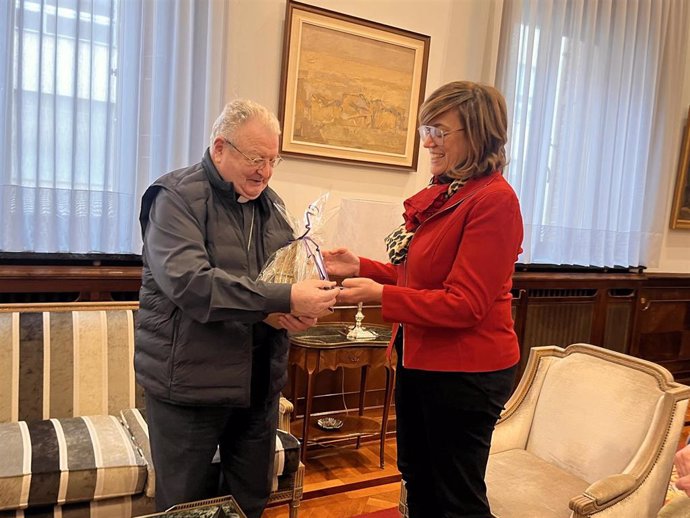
437,134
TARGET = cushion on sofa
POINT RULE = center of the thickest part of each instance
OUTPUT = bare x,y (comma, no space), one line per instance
134,420
118,507
67,460
286,455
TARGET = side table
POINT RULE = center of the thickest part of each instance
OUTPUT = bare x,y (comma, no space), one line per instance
325,347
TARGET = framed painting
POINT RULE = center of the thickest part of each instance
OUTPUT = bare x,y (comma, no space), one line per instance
350,89
680,213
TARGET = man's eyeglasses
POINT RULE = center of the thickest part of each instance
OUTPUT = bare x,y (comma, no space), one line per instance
437,134
258,162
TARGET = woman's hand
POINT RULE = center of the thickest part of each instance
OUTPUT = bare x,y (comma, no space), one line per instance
341,262
360,289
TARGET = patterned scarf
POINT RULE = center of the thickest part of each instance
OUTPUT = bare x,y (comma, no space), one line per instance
418,209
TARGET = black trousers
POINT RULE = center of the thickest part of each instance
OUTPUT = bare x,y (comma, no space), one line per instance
184,440
445,421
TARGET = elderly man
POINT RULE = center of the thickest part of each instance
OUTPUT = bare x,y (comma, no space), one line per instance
211,342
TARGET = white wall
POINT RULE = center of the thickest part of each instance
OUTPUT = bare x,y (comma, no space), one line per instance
464,43
675,248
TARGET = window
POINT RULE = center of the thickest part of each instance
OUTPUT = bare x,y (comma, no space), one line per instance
59,190
85,87
588,85
65,89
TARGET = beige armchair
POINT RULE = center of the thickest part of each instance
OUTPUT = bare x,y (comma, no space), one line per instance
588,433
678,507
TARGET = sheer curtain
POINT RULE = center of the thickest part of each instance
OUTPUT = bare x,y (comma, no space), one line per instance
97,98
593,93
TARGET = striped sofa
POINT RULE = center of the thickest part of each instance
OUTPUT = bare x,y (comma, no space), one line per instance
73,434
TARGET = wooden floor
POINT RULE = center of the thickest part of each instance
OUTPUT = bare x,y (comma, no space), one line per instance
341,482
344,482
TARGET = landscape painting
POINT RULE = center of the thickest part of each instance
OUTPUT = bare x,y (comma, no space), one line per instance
351,89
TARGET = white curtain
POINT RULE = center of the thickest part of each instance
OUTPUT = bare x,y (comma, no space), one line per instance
97,98
593,92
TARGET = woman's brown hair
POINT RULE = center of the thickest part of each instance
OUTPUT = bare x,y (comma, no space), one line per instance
483,115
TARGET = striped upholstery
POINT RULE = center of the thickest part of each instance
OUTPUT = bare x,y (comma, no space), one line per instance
66,360
67,460
120,507
135,423
61,361
286,455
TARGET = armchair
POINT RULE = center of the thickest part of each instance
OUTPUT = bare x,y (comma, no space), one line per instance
678,507
587,433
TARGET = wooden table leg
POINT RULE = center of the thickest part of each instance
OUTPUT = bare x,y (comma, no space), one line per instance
390,383
362,393
307,412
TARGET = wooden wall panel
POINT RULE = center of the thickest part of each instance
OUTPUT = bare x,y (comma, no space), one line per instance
662,327
619,315
645,315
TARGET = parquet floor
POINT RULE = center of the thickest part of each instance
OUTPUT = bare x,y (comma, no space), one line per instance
341,482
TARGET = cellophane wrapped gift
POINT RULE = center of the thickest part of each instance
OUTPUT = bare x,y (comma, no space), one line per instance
300,259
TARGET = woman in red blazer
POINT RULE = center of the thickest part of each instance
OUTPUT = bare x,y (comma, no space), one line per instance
447,289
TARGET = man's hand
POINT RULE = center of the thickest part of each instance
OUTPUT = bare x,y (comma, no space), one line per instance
341,262
312,298
360,289
289,322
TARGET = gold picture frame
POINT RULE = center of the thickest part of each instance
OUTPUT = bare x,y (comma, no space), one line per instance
350,89
680,213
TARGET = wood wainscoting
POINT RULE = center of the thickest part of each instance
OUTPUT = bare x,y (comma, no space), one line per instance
645,315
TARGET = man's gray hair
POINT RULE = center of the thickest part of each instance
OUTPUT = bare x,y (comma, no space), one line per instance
238,112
